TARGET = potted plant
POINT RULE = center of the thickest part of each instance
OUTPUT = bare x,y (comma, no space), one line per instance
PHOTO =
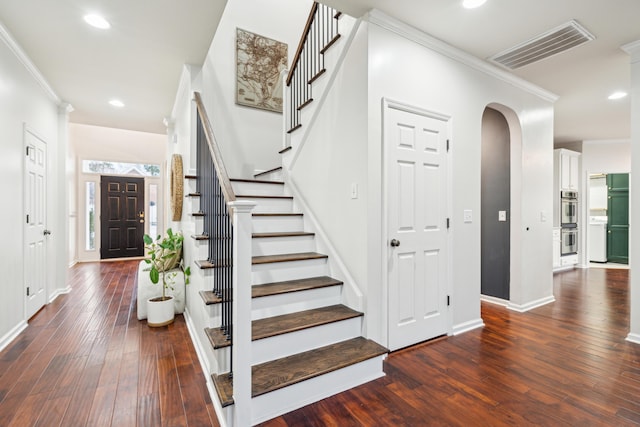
166,262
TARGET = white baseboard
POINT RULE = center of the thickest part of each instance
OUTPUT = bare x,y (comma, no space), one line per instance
204,365
59,292
468,326
634,338
12,334
494,300
521,308
72,263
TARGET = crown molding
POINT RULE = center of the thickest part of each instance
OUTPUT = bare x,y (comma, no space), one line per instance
387,22
633,49
24,59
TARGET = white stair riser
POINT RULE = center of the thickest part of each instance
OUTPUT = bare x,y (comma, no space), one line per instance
291,302
271,176
287,399
199,223
282,245
277,224
201,249
266,205
193,203
258,188
285,345
281,271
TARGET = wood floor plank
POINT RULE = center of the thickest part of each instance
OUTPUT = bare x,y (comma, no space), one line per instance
563,364
85,359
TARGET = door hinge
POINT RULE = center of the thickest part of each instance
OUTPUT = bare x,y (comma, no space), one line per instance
448,300
448,223
27,151
27,291
27,218
447,145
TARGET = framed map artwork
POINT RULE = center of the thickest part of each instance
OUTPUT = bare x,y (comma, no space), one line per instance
260,61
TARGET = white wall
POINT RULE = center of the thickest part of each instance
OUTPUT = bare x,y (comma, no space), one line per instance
412,73
249,138
634,181
26,100
117,145
611,156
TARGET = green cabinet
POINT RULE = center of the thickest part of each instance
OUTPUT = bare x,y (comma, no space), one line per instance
618,218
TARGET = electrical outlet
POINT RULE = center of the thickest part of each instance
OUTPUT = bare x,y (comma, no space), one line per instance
502,216
467,215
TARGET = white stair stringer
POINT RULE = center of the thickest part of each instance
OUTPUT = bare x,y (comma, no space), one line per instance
291,343
287,399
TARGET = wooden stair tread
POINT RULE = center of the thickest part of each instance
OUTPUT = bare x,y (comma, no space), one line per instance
191,177
277,288
283,324
196,194
284,150
276,374
224,386
217,338
200,236
257,181
204,264
198,214
262,196
267,214
302,256
282,234
267,172
209,297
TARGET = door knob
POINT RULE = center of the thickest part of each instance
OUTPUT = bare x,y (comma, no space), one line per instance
46,232
395,243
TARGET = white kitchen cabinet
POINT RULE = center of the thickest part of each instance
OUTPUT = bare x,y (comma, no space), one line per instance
569,169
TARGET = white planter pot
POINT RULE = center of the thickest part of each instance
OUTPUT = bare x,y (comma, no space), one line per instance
159,312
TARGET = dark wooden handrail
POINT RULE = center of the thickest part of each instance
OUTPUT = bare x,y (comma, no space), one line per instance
216,155
303,40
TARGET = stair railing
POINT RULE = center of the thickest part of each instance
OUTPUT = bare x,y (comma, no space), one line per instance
320,32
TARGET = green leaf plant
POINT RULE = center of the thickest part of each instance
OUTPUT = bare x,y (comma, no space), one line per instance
165,254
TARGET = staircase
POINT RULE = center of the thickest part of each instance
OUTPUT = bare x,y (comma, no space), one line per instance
305,344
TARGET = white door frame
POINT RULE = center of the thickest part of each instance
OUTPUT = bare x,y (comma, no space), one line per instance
45,265
388,103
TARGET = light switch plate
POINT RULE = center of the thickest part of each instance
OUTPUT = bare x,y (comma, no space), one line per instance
354,190
467,215
502,216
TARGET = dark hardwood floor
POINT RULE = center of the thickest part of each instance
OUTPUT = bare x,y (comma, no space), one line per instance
564,364
85,360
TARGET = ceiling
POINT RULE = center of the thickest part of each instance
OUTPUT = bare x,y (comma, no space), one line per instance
139,60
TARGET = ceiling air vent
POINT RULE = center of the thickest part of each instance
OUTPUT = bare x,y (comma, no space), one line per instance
550,43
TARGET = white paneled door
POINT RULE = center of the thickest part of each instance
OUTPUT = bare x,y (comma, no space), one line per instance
417,243
36,220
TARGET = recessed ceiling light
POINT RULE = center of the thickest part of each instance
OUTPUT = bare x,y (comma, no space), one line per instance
617,95
116,103
97,21
472,4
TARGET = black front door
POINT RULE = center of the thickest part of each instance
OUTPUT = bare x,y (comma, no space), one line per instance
121,217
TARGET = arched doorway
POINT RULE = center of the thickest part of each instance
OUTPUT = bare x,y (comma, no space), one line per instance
495,206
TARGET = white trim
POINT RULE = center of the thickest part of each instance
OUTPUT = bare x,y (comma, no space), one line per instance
24,59
468,326
385,21
12,334
521,308
633,338
633,49
204,365
59,292
494,300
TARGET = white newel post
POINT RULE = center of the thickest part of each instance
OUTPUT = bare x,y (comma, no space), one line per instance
241,351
